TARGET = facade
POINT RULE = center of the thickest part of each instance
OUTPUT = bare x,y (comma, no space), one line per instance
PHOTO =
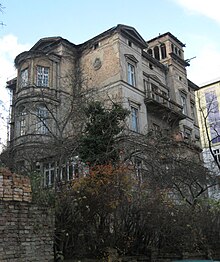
208,99
147,77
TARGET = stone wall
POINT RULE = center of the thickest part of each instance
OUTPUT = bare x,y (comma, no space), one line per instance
14,186
26,230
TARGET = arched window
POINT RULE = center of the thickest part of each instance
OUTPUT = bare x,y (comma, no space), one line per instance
156,53
176,50
163,51
150,52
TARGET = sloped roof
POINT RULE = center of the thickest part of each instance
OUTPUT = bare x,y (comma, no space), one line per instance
49,42
126,30
167,34
133,34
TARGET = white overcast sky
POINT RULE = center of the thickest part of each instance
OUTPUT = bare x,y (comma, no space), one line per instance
194,22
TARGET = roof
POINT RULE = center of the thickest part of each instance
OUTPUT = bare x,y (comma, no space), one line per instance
210,83
48,42
167,34
192,85
126,30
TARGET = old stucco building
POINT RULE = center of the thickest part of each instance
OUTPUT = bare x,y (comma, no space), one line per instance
147,77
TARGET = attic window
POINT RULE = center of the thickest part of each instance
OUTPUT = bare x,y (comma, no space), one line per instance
129,43
150,52
96,45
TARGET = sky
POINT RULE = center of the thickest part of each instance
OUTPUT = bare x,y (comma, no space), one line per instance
196,23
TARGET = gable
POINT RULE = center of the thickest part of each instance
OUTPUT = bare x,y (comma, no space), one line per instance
49,43
132,34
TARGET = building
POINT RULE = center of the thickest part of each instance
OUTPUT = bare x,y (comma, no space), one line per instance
147,77
208,99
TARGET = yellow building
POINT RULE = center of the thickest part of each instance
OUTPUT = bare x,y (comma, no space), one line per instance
208,110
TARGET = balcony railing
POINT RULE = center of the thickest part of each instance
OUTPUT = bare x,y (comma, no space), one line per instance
31,92
156,101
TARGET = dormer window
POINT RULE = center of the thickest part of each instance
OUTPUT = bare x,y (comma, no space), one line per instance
96,45
42,76
129,43
24,78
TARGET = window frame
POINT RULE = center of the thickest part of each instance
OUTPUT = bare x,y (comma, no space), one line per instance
42,76
183,101
157,53
135,121
51,170
187,133
163,51
42,120
216,153
24,77
192,109
131,74
22,121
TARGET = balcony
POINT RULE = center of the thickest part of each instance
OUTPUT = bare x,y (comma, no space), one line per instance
160,104
30,141
33,94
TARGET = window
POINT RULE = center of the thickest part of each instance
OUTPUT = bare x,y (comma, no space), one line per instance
213,112
24,78
176,50
150,52
96,45
138,169
187,133
183,103
216,153
42,76
156,53
22,121
134,119
156,129
163,51
131,74
42,120
49,174
129,43
192,108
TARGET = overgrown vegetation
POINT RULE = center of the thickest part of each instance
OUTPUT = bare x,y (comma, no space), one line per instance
135,209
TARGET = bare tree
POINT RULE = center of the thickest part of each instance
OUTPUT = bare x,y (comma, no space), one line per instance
210,120
50,122
171,166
